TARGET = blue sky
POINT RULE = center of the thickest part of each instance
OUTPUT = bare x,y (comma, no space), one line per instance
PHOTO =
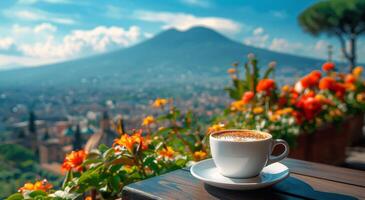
35,32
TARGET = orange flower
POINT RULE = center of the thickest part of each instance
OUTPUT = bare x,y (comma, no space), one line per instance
247,96
38,185
350,78
328,66
357,71
148,120
74,161
128,141
326,83
159,103
265,85
199,155
88,198
167,152
231,71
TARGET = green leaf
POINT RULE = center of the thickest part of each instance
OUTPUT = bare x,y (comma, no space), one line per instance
115,183
102,148
268,72
16,196
67,179
37,193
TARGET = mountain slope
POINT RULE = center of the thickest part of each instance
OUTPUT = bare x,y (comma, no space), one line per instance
170,57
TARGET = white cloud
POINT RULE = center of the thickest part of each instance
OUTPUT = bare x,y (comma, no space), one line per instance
199,3
46,1
6,43
283,45
44,27
8,61
258,39
258,31
113,12
184,21
278,14
148,35
81,42
37,15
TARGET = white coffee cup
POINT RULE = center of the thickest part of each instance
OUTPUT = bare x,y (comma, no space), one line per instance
244,158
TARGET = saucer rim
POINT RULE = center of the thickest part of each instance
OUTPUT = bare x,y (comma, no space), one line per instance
214,182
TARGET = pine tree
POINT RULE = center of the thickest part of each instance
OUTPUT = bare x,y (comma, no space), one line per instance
32,123
77,142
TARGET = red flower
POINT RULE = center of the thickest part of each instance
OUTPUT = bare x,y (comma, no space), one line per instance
326,83
328,66
265,85
309,105
74,161
247,96
350,78
298,117
311,79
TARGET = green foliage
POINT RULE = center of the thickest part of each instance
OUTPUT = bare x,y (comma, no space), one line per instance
251,77
334,17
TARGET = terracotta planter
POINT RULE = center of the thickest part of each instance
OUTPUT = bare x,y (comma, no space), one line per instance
328,144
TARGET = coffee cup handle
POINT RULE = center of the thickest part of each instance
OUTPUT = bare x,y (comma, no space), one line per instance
273,159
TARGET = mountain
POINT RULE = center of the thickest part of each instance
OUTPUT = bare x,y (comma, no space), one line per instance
198,56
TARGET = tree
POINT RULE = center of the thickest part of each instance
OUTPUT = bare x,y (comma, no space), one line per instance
344,19
77,142
32,123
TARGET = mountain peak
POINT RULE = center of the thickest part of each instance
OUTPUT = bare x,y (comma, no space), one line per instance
194,34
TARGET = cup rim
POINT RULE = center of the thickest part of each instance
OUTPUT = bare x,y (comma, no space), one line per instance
239,130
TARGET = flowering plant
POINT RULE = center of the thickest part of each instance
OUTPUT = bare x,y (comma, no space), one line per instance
316,99
167,141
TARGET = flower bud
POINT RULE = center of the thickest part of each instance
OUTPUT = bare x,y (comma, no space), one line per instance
272,64
251,56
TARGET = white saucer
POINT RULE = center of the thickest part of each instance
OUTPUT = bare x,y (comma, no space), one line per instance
207,172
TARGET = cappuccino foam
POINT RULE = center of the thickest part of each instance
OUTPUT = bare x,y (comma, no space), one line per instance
241,136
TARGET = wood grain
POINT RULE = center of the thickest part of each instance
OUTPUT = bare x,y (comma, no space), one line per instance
307,181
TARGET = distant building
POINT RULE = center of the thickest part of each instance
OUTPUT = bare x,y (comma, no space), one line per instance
105,135
50,151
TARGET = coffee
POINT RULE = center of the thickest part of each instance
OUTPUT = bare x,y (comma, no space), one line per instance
242,136
244,153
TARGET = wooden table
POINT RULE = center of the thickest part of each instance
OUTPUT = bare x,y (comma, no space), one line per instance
307,181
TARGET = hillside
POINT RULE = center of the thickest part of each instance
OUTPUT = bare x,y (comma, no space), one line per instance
168,58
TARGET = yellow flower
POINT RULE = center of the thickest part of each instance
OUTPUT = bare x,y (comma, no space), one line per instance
320,97
148,120
199,155
284,111
159,103
286,88
360,97
231,71
215,127
258,110
357,71
38,185
274,117
167,152
237,106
